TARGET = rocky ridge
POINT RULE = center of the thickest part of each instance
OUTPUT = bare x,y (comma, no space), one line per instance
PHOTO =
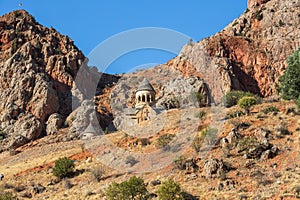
38,67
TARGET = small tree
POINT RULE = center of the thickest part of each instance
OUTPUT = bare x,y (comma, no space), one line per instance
170,190
63,167
7,196
246,103
298,102
289,82
231,98
134,188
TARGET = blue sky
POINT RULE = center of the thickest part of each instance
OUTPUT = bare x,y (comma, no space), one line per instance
91,22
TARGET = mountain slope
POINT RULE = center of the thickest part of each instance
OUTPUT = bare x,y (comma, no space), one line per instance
250,53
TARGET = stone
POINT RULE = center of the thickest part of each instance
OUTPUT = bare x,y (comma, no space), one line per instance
155,182
190,177
213,168
54,123
38,189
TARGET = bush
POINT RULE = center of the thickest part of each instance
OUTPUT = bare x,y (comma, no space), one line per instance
98,172
247,143
298,102
200,114
270,109
246,103
64,167
134,188
197,143
180,163
234,114
170,190
164,140
209,135
7,196
289,83
232,97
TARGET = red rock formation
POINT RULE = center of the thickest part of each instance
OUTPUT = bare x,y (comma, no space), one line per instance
250,53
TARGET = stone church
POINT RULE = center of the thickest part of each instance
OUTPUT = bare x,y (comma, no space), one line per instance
144,99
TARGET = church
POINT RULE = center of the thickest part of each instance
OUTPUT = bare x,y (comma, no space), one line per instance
144,100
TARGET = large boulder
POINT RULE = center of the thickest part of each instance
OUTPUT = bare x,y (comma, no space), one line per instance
54,122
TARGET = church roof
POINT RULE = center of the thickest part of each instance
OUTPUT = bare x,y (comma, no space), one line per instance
145,86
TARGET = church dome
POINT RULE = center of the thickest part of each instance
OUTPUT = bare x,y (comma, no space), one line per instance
145,86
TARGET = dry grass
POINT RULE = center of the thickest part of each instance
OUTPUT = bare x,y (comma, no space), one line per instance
279,176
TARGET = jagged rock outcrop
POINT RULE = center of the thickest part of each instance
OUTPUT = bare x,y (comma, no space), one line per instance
37,69
250,53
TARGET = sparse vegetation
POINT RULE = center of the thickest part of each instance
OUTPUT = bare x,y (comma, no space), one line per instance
298,102
247,103
209,135
98,173
270,109
281,23
289,83
200,114
170,190
247,143
164,140
2,135
7,196
258,15
234,114
231,98
134,188
180,163
197,143
198,97
64,167
15,45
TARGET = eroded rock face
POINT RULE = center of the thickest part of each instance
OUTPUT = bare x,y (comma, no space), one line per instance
250,53
37,69
252,3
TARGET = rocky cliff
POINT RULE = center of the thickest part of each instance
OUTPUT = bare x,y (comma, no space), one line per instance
250,53
38,66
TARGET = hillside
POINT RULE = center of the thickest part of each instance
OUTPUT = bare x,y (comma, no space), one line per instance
212,151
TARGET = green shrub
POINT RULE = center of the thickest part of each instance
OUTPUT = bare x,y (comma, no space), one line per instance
298,102
164,140
199,98
197,143
64,167
289,83
7,196
134,188
170,190
247,143
209,135
270,109
234,114
180,163
200,114
246,103
231,98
